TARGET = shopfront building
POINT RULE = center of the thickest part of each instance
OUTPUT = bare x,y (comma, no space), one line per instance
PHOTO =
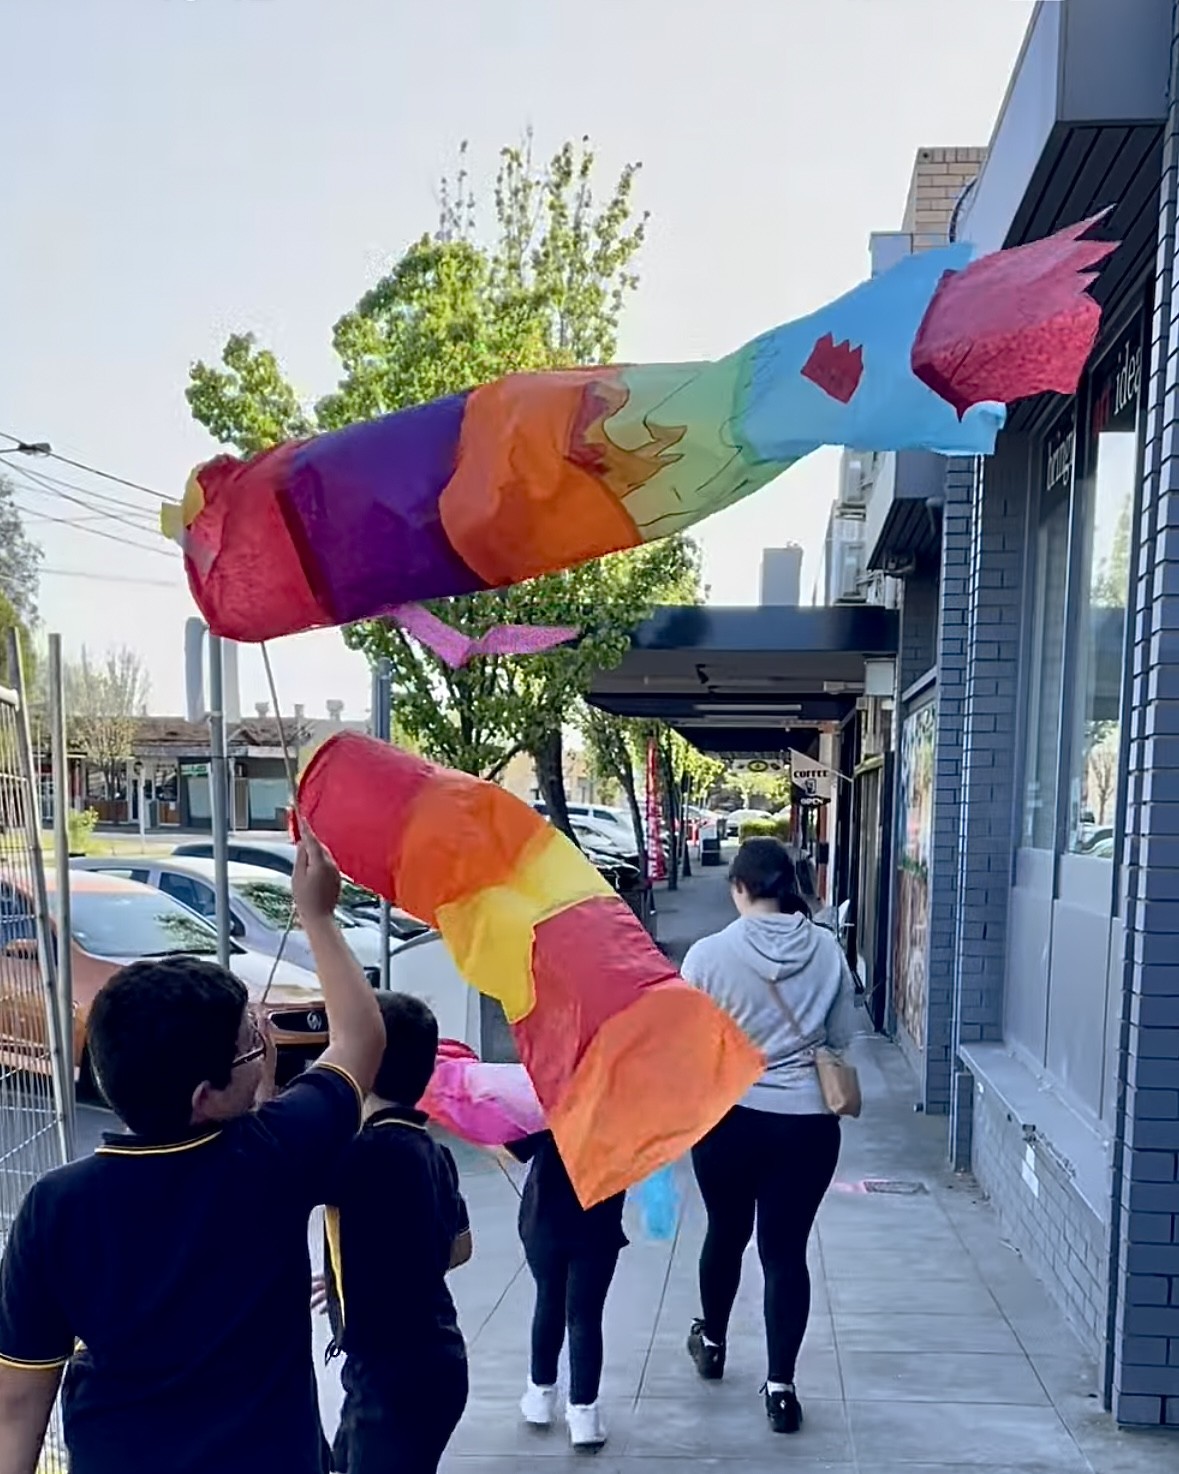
1034,969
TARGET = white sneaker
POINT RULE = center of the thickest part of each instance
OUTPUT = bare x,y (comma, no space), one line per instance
538,1406
586,1429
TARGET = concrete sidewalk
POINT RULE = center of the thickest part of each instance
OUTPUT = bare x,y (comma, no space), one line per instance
931,1346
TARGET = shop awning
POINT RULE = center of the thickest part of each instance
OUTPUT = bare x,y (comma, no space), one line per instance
748,681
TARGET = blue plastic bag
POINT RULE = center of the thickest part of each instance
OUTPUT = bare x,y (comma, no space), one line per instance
659,1204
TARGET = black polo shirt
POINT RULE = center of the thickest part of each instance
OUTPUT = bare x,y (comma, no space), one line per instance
171,1279
394,1213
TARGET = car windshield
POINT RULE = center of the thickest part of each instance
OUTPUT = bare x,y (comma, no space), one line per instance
137,924
274,904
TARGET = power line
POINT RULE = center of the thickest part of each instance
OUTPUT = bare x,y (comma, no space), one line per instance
92,470
40,483
113,537
155,583
95,496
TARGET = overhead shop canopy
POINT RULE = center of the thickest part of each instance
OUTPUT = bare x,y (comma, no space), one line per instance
748,681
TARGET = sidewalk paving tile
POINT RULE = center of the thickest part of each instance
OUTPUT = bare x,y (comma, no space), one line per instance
931,1347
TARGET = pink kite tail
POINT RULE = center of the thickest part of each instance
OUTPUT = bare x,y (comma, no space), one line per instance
484,1104
456,649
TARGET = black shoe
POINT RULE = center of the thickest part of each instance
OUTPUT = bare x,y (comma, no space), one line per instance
783,1410
710,1360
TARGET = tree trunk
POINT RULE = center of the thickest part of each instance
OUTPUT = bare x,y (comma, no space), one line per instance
671,818
550,777
685,791
626,778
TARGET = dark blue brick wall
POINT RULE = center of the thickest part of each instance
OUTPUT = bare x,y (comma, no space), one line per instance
1144,1358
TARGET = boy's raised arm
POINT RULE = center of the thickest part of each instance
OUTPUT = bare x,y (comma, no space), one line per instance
354,1020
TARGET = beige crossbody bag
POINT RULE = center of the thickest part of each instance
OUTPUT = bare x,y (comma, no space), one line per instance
839,1081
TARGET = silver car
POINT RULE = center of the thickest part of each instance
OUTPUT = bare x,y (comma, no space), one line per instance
260,905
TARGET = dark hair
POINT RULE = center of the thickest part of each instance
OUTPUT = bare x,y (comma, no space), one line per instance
762,867
411,1048
157,1030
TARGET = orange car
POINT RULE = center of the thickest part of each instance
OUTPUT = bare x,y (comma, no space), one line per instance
116,921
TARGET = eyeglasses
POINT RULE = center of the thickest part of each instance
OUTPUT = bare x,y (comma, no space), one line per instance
256,1051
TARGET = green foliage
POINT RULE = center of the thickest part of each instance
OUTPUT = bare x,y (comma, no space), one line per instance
20,560
760,828
547,290
81,831
10,620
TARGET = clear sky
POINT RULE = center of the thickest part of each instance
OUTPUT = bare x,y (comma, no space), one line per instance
175,170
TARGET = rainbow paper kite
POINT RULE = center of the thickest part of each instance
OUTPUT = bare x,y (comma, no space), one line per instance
538,472
630,1065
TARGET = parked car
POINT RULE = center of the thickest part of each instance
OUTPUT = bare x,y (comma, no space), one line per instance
117,921
612,824
261,908
737,817
279,855
260,902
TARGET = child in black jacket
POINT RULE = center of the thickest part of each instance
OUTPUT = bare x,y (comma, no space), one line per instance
572,1253
396,1225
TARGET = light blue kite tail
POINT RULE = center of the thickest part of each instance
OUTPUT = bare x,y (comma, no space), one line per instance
659,1204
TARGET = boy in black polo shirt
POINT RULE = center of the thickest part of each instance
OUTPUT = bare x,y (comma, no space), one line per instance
168,1274
395,1227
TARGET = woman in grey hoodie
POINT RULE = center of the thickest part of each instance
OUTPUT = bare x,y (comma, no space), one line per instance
772,1158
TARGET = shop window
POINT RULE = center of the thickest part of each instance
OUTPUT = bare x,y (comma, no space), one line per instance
1046,663
1103,569
270,799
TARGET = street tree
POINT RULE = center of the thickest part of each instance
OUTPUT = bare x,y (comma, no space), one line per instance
104,699
20,559
545,289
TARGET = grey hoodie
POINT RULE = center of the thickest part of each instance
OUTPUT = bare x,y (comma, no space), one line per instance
743,966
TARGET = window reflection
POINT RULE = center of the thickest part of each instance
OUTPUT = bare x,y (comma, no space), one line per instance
137,924
1101,635
1046,665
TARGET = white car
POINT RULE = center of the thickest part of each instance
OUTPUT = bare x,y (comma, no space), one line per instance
260,903
611,824
260,906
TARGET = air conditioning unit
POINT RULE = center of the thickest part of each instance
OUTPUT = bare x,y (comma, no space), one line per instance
850,585
857,477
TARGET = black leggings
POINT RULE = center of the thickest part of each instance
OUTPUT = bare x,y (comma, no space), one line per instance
571,1291
775,1168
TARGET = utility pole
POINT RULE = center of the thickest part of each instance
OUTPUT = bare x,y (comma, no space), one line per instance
219,798
383,731
61,854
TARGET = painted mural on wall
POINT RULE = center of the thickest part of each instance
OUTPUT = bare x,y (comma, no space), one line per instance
911,953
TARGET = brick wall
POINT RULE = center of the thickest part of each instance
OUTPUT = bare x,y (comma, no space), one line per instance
1060,1237
919,623
1144,1361
939,177
957,518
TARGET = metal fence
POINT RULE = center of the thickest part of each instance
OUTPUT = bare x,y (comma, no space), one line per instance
34,1118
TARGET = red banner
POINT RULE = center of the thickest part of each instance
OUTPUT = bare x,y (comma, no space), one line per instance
656,860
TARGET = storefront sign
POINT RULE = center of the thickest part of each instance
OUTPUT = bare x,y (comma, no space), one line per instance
1117,386
813,778
1059,449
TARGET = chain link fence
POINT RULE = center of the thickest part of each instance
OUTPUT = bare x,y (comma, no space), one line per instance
33,1116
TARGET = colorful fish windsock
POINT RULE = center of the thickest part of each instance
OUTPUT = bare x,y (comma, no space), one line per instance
631,1066
538,472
